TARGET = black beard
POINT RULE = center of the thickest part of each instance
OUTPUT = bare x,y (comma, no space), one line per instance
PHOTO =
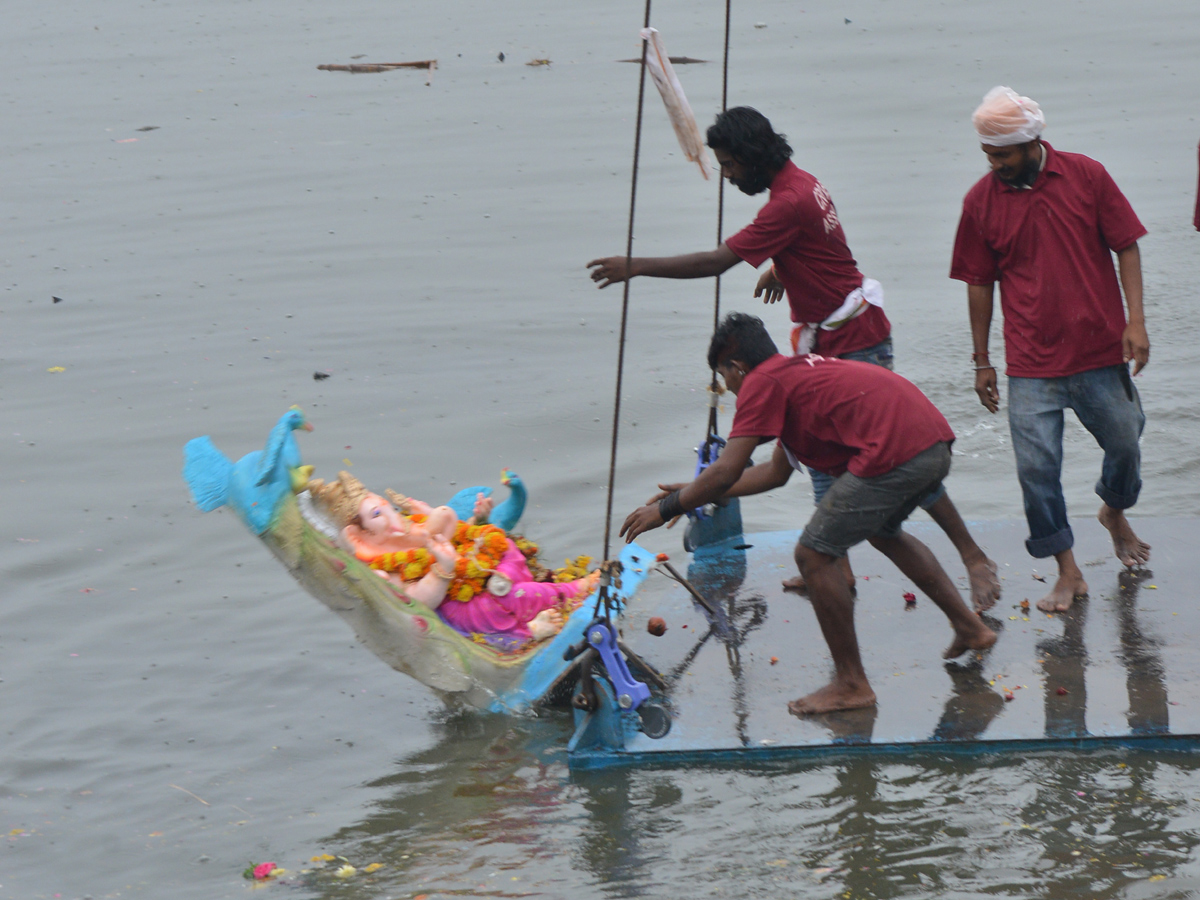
1028,174
756,181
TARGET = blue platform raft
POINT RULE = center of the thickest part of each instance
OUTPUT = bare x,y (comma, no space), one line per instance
1120,668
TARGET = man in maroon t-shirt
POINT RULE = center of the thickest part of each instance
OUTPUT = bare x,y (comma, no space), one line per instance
886,447
1045,225
835,310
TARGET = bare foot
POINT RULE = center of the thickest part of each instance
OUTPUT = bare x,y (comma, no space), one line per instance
976,639
1066,590
796,585
585,586
985,585
547,623
832,697
1130,550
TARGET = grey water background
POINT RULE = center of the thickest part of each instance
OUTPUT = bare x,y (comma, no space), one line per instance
173,707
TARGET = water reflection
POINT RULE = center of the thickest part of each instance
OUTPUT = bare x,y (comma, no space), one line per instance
972,706
491,810
1145,675
718,577
1064,661
851,726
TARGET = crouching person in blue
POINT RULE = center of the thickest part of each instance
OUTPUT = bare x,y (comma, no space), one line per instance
887,448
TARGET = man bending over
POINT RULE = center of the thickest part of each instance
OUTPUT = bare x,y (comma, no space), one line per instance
886,447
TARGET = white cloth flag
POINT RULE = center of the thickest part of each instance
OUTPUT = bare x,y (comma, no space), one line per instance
678,110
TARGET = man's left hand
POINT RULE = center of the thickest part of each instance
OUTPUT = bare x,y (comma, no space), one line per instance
769,287
643,519
1135,345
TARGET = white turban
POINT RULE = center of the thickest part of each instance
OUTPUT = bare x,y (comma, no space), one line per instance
1005,118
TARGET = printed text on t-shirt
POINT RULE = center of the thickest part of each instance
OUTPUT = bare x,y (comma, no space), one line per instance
826,203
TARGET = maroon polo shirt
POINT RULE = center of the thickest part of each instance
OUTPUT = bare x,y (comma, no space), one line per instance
1050,247
837,415
799,230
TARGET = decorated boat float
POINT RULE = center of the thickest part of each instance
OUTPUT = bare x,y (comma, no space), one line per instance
316,530
729,647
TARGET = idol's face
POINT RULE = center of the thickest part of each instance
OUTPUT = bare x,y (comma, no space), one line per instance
380,519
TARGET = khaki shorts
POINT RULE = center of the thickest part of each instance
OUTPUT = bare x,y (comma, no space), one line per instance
856,509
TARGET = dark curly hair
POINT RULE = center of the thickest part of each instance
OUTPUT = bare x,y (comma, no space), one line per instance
742,337
747,135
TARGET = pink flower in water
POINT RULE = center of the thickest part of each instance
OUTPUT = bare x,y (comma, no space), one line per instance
264,870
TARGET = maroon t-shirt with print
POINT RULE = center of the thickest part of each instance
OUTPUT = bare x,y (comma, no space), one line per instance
799,231
837,415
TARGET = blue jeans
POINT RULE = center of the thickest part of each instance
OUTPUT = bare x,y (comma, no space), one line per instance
1108,406
879,355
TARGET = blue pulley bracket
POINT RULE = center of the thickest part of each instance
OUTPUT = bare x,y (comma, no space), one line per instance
630,693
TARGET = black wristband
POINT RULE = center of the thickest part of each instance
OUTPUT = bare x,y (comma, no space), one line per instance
669,506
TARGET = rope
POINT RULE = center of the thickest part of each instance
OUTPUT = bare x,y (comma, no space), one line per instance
712,409
637,145
603,599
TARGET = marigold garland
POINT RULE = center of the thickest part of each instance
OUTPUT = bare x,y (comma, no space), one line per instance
479,547
572,570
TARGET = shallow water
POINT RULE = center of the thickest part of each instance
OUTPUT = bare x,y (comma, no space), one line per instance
174,707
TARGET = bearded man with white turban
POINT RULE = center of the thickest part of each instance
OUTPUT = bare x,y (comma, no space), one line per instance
1045,225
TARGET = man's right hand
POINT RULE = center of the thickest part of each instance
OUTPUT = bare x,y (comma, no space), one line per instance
609,270
985,387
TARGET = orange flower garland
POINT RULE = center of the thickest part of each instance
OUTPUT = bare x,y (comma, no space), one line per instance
479,547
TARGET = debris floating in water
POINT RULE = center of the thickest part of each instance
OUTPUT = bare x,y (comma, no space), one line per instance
657,626
910,599
262,871
429,65
379,67
320,376
542,62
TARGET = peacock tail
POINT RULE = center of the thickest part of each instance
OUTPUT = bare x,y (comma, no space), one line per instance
206,470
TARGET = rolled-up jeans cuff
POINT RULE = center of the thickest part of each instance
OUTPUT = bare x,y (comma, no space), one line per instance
1115,500
1039,548
932,497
